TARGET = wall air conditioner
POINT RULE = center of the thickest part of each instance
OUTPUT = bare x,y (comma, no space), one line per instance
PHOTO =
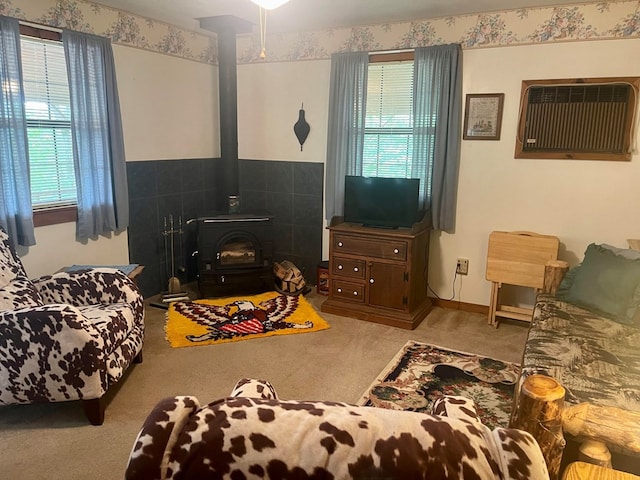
579,119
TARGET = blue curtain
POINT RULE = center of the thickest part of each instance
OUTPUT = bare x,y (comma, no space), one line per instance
15,195
98,144
436,129
347,106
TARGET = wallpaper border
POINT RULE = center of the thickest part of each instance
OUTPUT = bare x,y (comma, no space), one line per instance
581,22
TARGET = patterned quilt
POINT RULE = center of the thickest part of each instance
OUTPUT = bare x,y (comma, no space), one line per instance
597,360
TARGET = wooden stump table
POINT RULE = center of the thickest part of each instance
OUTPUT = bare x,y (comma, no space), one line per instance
539,411
587,471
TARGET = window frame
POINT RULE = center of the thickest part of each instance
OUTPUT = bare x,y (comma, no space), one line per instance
405,56
63,213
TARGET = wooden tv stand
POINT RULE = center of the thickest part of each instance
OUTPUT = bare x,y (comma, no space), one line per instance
378,275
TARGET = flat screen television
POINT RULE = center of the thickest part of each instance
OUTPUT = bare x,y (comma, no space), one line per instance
381,202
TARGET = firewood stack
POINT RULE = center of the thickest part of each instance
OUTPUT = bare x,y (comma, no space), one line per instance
289,278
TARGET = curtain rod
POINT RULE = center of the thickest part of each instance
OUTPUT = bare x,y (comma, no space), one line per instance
41,27
382,52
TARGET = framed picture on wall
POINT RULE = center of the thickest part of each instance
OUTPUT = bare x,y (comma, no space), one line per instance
483,116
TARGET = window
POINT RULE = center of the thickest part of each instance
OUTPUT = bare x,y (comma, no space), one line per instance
409,129
388,135
48,114
62,144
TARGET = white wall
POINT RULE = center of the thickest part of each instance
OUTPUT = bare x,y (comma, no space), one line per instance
579,201
169,106
269,98
169,111
56,247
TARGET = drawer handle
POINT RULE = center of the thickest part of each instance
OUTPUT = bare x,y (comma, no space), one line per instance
339,267
395,250
339,244
371,280
355,269
355,294
339,290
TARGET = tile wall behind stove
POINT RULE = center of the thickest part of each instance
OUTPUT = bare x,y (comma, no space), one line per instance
186,189
293,193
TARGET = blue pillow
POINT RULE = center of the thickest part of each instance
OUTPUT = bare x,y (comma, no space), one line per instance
566,282
607,282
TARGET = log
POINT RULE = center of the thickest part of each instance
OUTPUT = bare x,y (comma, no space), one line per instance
539,412
594,452
279,270
611,425
291,278
554,271
587,471
286,271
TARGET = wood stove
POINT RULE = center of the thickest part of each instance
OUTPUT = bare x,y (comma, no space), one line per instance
235,253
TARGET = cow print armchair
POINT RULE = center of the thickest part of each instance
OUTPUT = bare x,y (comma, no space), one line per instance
67,336
253,434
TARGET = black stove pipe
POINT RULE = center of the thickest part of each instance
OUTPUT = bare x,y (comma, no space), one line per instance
227,83
227,27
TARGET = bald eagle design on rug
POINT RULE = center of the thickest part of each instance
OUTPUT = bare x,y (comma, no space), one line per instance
241,317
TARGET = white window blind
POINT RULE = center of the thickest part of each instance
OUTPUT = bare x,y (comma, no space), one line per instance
48,115
388,142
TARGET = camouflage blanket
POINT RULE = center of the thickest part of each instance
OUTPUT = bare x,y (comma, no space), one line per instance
597,360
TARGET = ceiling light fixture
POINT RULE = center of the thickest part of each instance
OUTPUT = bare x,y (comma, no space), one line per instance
263,33
264,6
269,4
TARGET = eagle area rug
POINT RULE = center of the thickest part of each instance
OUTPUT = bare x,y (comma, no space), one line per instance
222,320
419,374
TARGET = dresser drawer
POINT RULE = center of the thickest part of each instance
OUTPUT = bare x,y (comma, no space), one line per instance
347,291
355,245
347,267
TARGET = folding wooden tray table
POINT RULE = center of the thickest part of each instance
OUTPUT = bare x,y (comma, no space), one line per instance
517,258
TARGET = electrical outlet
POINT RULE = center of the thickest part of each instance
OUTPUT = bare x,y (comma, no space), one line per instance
462,266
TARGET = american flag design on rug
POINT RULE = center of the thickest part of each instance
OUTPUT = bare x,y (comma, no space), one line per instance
252,325
234,318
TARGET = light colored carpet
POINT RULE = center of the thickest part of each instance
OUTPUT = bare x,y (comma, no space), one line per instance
54,441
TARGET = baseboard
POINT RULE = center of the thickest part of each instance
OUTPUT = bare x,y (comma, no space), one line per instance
465,307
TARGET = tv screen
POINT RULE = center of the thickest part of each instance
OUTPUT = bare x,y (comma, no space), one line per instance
381,202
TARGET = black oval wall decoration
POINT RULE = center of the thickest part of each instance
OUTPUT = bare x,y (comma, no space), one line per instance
301,128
